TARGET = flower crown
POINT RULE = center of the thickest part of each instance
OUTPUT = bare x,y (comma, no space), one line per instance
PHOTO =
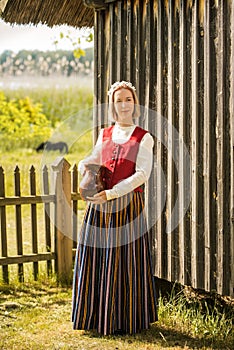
119,84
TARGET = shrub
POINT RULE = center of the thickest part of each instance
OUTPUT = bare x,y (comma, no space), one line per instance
57,103
22,123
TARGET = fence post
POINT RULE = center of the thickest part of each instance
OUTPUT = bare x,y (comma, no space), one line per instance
63,220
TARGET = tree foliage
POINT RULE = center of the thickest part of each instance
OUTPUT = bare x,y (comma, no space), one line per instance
22,123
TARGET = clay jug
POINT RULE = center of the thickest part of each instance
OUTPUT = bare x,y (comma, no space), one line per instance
93,180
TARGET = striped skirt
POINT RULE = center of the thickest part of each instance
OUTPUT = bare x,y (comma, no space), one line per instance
113,286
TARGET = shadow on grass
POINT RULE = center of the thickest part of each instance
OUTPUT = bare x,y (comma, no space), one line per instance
163,337
32,290
159,334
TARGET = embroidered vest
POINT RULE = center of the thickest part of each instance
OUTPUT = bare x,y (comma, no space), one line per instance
120,159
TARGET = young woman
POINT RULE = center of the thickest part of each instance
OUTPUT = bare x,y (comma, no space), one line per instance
113,290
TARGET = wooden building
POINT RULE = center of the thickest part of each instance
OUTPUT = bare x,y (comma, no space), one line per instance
180,56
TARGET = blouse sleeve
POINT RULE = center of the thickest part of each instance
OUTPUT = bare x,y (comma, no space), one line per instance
143,169
95,156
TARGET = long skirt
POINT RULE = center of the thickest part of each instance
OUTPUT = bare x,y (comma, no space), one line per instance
113,286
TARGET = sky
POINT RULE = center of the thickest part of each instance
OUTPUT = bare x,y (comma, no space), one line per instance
31,37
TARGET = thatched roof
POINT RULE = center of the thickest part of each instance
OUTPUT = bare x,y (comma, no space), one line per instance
50,12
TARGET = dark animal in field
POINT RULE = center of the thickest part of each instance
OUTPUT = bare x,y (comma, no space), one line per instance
50,146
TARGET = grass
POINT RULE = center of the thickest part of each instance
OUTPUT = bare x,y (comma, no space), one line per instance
37,315
60,97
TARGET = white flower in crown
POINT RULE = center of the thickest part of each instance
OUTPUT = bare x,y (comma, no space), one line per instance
119,84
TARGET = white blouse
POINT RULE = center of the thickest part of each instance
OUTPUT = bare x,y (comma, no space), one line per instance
144,160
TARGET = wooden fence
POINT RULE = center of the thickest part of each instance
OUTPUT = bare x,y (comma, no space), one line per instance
62,201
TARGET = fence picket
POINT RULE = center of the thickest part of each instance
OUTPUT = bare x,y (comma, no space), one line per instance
34,220
18,214
63,219
3,225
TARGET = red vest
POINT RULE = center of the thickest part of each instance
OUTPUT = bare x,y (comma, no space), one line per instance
120,159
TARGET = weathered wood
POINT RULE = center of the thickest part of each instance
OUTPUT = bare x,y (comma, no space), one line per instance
47,214
150,196
160,160
141,66
74,206
63,220
18,217
112,45
119,41
171,235
194,149
63,216
18,200
173,53
182,130
3,225
26,258
231,102
209,154
34,220
128,39
223,162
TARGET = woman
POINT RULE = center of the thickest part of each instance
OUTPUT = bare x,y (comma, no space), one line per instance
113,290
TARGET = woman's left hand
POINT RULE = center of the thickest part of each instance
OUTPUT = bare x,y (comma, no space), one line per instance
98,198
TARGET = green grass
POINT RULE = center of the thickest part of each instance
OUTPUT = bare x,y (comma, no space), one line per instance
37,315
60,97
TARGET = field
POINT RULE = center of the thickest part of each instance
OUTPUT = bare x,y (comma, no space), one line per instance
36,315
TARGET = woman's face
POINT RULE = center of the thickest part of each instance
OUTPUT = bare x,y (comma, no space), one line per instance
124,105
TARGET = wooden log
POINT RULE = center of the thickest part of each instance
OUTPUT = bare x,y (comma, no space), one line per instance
34,220
141,53
231,284
118,63
63,220
209,152
194,149
18,217
3,225
171,149
160,157
197,128
150,190
183,125
112,45
223,154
